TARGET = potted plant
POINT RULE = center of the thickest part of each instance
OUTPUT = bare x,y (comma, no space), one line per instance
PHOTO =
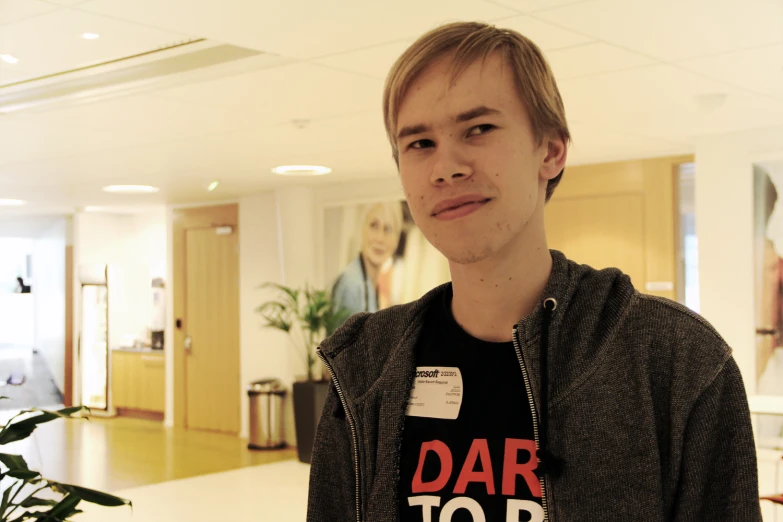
24,491
307,316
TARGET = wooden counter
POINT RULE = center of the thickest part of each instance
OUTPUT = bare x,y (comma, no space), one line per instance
138,383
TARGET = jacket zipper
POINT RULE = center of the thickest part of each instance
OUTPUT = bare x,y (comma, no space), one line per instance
529,389
354,436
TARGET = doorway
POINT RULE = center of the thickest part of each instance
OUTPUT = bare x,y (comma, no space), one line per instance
206,311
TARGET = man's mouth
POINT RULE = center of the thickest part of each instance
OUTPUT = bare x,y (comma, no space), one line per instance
459,207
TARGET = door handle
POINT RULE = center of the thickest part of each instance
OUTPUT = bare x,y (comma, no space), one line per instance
188,343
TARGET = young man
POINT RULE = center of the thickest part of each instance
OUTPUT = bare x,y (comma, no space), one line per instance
529,388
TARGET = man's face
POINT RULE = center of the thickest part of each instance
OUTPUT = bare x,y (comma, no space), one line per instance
471,142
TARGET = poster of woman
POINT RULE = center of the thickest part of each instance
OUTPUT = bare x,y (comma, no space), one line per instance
768,291
375,256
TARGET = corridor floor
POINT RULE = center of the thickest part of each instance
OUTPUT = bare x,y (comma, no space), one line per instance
38,390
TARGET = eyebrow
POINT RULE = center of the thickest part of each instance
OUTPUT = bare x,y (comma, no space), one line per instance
476,112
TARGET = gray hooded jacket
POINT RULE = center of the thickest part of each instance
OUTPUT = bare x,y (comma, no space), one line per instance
645,408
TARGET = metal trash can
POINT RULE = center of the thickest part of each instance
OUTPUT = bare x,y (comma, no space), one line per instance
266,414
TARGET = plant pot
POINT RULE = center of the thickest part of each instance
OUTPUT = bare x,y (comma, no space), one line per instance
309,399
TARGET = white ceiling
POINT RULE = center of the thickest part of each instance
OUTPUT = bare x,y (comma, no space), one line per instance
639,79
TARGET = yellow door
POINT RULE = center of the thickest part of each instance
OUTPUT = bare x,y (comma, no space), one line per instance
604,231
212,320
620,215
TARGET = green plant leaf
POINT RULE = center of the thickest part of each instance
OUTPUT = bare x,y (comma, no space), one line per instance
293,295
35,502
14,433
13,461
22,429
68,412
6,496
96,497
276,306
314,317
64,509
27,515
23,474
2,398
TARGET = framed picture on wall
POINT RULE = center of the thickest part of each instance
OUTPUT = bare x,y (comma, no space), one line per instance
768,290
376,257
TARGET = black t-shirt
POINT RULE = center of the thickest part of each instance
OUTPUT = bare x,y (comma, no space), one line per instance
480,463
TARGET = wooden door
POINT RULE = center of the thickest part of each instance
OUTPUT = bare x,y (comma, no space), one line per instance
212,362
621,215
601,231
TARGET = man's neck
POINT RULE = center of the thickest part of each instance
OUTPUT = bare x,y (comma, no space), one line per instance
491,296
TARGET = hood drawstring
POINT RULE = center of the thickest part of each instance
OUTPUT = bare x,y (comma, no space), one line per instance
549,463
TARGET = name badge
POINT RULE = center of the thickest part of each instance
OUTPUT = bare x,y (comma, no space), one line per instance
436,393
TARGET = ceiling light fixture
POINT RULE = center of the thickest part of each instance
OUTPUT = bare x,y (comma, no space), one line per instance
131,189
212,186
301,170
12,202
7,58
91,36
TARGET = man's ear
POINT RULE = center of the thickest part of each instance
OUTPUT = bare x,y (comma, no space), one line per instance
555,153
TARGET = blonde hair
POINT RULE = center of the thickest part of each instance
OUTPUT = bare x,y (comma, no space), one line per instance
471,41
391,209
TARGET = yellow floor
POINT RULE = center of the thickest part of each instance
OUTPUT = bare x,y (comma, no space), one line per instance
121,453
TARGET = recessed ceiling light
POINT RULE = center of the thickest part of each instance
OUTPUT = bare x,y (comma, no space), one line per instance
91,36
12,202
7,58
301,170
212,186
131,189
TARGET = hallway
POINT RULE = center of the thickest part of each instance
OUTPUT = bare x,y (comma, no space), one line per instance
38,388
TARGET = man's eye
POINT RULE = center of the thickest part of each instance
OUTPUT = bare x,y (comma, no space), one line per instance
421,144
481,129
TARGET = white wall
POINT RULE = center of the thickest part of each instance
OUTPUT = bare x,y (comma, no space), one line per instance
724,225
263,352
49,297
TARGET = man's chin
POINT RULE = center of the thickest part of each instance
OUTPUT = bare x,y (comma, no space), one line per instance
466,254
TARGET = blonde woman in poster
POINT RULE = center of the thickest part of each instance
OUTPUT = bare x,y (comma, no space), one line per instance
358,287
769,304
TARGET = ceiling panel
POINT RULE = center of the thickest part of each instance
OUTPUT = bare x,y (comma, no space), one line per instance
373,61
110,124
594,58
31,227
286,144
15,10
675,29
666,102
299,28
547,36
530,6
758,70
300,91
66,3
593,143
12,73
377,60
63,48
